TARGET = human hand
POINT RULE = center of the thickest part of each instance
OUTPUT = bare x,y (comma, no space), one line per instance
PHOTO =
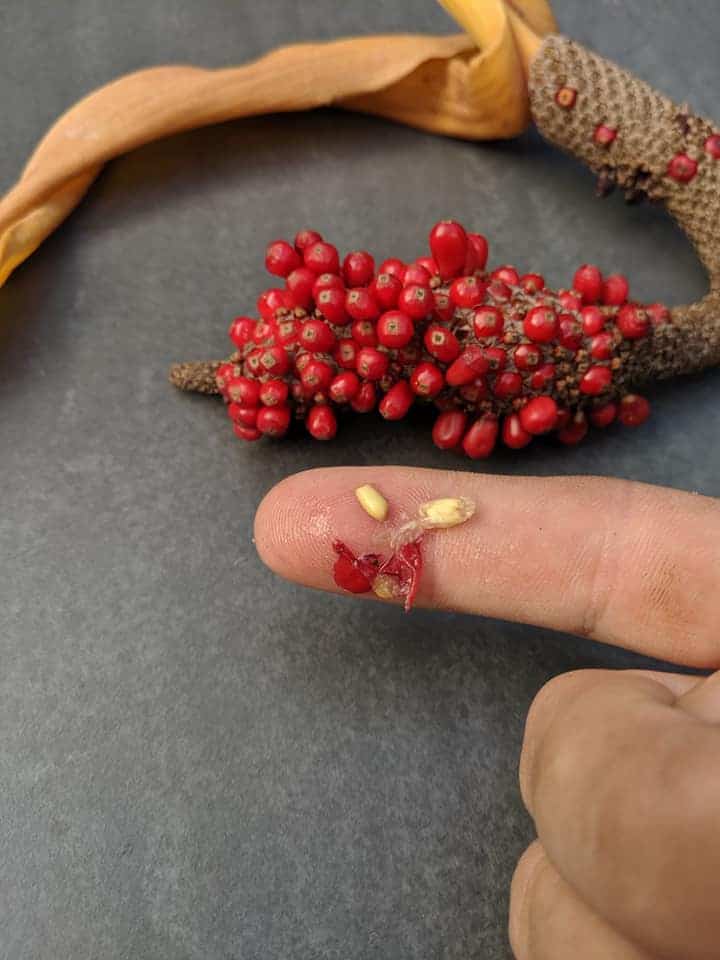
619,770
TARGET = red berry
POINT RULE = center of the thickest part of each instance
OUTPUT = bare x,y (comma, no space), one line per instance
300,285
543,377
364,333
615,290
274,421
241,331
306,238
508,275
488,322
271,301
507,385
467,291
477,253
345,353
563,418
275,360
593,320
223,375
532,282
604,135
596,380
327,281
394,267
634,410
632,322
427,380
385,289
569,300
360,305
273,393
252,362
603,416
449,246
682,168
658,313
288,332
395,329
281,259
443,307
397,401
416,301
358,268
364,399
496,357
601,346
317,336
449,429
301,361
243,432
263,331
499,291
344,387
575,431
565,97
540,324
477,390
480,439
321,257
372,364
588,282
569,332
441,343
539,415
316,377
417,275
712,146
321,422
245,415
427,263
527,356
514,434
471,364
350,573
331,304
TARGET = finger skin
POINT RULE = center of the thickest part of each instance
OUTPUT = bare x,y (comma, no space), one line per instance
549,921
625,563
624,787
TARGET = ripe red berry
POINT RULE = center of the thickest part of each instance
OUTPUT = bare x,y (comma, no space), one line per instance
331,304
316,377
305,238
615,290
540,324
527,356
288,331
394,267
243,432
601,346
539,415
300,286
449,246
271,301
427,263
263,331
385,289
241,331
569,332
321,257
448,429
712,146
395,329
426,379
682,168
632,322
372,364
321,422
634,410
588,282
500,292
397,401
274,393
477,390
604,135
417,275
345,353
223,375
358,268
364,333
532,282
245,415
252,362
575,430
480,439
416,301
477,253
467,291
593,320
281,259
507,385
658,313
471,363
326,281
563,418
497,358
274,360
514,434
364,400
441,343
596,380
317,336
603,416
488,322
508,275
443,307
360,305
569,300
273,421
543,377
344,387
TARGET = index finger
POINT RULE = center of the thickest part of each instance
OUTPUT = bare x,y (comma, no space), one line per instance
625,563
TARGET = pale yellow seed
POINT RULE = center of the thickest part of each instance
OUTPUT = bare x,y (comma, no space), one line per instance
445,512
372,502
384,587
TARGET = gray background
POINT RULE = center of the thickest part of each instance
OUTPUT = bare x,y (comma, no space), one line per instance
198,760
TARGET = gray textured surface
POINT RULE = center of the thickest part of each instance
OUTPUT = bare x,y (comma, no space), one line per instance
200,762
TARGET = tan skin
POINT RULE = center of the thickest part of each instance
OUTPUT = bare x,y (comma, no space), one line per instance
620,770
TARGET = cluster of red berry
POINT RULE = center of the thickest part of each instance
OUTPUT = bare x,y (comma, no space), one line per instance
496,352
